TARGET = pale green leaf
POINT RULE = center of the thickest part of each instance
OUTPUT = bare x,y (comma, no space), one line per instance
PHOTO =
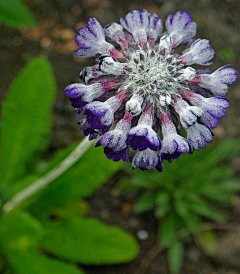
208,241
14,13
175,257
20,234
19,231
26,119
89,241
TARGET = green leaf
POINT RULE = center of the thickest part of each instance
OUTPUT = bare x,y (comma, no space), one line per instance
32,262
19,231
80,181
192,222
175,257
20,234
169,229
181,206
26,119
145,203
89,241
204,209
163,205
2,263
226,149
14,13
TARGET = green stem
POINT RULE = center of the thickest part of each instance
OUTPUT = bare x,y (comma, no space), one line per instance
45,180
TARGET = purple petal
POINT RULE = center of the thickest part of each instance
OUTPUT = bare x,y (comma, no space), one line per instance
75,90
180,28
200,53
142,137
154,30
147,160
209,120
91,40
115,33
198,136
169,157
117,156
136,23
226,75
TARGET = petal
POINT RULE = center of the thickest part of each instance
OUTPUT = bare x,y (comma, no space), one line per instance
180,28
147,160
136,23
200,53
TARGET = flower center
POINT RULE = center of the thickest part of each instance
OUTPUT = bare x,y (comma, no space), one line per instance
154,72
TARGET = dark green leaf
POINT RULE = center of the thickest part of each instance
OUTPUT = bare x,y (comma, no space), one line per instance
31,262
175,257
14,13
145,202
2,263
26,119
80,181
89,241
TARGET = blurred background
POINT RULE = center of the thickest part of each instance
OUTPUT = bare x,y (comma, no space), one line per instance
54,38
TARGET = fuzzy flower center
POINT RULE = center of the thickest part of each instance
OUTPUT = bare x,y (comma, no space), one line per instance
154,72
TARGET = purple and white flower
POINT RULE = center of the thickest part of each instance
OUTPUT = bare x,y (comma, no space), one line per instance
143,136
139,82
198,136
217,82
173,145
180,28
199,52
114,141
147,160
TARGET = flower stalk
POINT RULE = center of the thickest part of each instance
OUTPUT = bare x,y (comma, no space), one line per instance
45,180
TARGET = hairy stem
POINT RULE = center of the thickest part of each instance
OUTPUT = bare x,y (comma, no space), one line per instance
45,180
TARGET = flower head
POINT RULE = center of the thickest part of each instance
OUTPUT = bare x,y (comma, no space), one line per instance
139,82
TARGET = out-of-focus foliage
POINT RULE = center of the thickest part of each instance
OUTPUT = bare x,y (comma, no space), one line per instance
26,120
78,182
228,55
92,242
19,236
190,190
28,235
14,13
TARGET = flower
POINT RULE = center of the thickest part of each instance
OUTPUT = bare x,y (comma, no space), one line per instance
140,83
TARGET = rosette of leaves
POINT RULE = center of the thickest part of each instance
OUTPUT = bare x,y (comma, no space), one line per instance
187,194
31,242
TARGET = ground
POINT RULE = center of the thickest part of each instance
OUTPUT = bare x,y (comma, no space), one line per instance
58,22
